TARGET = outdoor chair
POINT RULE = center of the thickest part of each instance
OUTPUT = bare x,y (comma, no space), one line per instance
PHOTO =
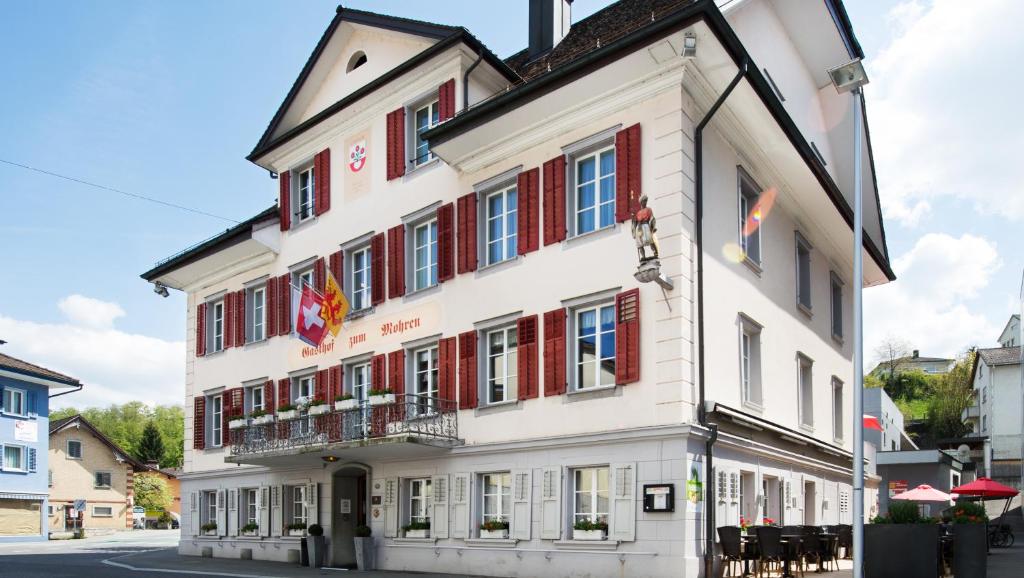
812,547
846,541
732,552
769,540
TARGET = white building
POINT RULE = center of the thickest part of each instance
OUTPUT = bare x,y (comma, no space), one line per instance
997,411
1011,334
485,251
893,437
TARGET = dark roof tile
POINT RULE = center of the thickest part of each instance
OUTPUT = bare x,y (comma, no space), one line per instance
1000,355
31,369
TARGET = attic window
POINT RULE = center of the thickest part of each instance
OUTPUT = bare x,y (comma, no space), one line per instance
358,59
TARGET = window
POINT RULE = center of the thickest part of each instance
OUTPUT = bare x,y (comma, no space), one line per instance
306,194
14,401
74,449
256,313
421,500
837,408
102,479
594,197
497,497
49,482
303,279
209,512
425,117
102,511
425,255
502,364
305,386
805,392
361,278
51,510
984,423
595,347
360,381
14,458
251,511
590,494
984,394
502,225
298,494
803,273
256,401
750,361
836,294
217,322
425,378
750,221
216,421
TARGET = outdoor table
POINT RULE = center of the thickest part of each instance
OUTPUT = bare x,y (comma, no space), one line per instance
745,541
789,542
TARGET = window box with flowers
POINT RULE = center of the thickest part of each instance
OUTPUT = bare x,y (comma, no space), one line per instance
238,422
297,530
970,539
417,530
496,529
287,412
381,397
209,529
318,407
345,402
250,529
261,417
587,530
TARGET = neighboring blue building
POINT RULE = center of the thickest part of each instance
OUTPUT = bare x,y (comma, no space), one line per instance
25,391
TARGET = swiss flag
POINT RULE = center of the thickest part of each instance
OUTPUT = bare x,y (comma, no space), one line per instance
309,323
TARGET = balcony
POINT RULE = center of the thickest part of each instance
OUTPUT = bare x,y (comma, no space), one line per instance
971,412
399,426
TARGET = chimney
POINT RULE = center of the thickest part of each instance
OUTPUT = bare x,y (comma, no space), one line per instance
917,353
549,23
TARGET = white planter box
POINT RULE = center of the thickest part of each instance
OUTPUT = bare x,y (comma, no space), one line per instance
319,409
382,399
296,533
263,419
494,534
417,533
238,423
588,534
249,533
287,415
346,405
210,533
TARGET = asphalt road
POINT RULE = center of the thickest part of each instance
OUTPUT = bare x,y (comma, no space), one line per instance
81,558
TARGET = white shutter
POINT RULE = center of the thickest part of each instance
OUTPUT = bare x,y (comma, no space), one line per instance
522,504
551,504
276,513
622,525
439,516
193,513
312,504
460,498
222,517
263,507
233,512
391,507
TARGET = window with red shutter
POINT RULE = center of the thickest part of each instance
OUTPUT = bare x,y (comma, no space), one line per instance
377,273
468,386
445,242
199,423
284,303
229,321
528,211
396,143
201,329
448,351
319,275
467,233
285,199
284,392
336,262
396,261
627,173
321,388
396,371
269,399
627,337
270,307
554,200
378,372
554,352
526,332
446,100
322,163
336,385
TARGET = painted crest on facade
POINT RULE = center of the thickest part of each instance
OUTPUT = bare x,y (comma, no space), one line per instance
357,156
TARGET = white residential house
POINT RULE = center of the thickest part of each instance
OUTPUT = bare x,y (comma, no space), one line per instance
476,213
893,437
1011,335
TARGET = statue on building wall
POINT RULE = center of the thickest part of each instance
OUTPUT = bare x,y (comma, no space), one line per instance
645,236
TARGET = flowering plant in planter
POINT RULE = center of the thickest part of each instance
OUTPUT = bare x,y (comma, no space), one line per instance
237,421
417,530
969,513
381,396
345,402
494,528
298,529
208,529
287,411
250,529
767,521
589,530
318,406
744,524
261,416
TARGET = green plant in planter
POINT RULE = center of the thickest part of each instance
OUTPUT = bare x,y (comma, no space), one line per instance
297,526
968,513
494,525
286,407
587,525
164,519
343,397
416,526
901,512
363,531
380,392
316,401
315,530
258,413
251,527
208,527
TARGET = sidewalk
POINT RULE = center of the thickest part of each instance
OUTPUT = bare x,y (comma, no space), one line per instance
1006,562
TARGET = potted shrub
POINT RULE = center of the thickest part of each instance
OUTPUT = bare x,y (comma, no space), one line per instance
250,529
494,529
345,402
970,539
238,421
287,412
588,530
364,548
260,417
164,520
296,530
381,396
417,530
318,544
901,544
209,529
318,407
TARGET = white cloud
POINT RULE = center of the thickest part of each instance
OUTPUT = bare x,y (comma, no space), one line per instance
90,312
941,104
114,366
928,304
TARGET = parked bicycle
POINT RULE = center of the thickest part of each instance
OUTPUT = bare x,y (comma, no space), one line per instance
1000,536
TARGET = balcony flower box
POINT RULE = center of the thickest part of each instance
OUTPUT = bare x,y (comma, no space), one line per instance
209,529
263,419
589,531
250,530
296,533
287,412
588,534
417,530
319,409
346,404
494,534
417,533
238,423
381,397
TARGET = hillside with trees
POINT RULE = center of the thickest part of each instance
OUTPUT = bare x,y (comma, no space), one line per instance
148,434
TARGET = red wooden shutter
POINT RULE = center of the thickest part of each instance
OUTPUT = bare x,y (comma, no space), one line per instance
448,351
337,385
446,100
526,331
284,392
627,172
377,269
199,423
526,236
396,143
467,233
285,199
336,263
284,301
268,396
229,321
225,417
396,371
241,325
467,370
627,337
322,173
319,275
445,242
396,261
554,200
270,306
378,372
554,352
234,402
321,388
201,330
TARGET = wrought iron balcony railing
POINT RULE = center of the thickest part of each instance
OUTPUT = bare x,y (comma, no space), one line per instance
379,417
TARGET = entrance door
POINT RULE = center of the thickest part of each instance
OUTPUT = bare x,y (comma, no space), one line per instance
810,504
348,510
70,520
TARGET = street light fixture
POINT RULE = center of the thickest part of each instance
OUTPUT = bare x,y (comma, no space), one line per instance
851,77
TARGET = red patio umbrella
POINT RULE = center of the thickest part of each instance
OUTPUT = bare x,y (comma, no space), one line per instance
871,422
985,488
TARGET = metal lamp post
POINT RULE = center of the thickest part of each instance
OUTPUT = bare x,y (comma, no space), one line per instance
850,77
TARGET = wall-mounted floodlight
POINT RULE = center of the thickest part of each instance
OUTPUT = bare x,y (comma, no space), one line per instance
690,44
849,76
160,290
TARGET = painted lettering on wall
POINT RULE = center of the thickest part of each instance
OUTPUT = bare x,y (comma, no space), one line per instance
325,347
399,327
356,339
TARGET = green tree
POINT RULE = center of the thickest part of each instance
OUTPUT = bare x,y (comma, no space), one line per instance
152,492
151,446
950,396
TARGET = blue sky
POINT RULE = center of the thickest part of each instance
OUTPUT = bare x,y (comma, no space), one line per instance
166,98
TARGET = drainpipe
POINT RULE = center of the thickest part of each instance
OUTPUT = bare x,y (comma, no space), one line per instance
465,80
702,417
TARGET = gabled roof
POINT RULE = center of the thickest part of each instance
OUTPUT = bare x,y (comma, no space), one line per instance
15,365
446,36
60,424
1009,323
1000,355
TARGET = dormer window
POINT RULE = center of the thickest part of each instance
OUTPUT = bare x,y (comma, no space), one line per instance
358,59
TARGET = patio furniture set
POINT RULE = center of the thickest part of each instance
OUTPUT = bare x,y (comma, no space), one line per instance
785,549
